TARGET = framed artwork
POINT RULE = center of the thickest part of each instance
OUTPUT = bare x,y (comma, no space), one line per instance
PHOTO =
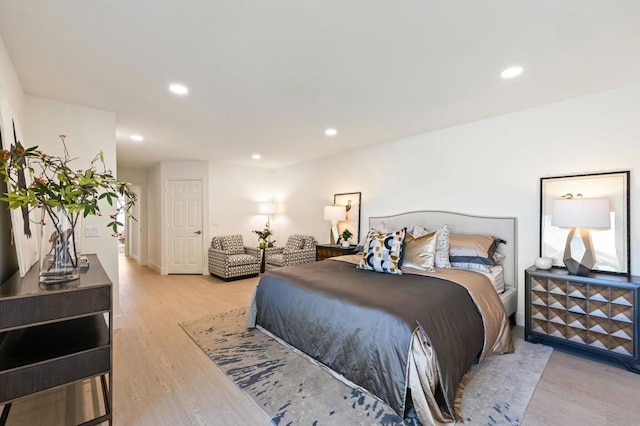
351,201
611,246
22,220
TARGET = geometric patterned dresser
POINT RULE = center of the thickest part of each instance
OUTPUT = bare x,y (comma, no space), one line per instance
598,313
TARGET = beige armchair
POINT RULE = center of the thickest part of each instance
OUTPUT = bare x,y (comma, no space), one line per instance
299,249
229,259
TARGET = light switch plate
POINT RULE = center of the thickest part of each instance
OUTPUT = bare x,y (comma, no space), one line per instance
91,231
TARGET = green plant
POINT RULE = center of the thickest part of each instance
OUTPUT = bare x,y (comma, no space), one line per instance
346,234
264,235
56,186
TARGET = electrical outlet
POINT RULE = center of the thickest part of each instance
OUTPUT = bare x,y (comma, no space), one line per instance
91,231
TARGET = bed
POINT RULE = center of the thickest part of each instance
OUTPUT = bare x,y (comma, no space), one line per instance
398,336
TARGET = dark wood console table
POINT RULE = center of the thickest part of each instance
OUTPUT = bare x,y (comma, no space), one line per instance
56,336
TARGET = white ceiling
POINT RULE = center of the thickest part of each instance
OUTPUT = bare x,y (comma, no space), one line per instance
270,76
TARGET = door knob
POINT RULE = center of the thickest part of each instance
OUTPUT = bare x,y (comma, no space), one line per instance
198,232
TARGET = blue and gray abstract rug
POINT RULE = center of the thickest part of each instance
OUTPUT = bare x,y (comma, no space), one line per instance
292,390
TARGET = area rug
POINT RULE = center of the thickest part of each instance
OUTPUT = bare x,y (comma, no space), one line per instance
292,390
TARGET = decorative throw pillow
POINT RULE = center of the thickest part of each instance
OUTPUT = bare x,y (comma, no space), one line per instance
417,230
442,244
475,252
470,248
442,247
381,228
383,252
419,252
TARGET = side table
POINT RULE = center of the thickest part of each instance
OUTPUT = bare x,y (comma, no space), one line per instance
262,259
54,336
262,252
324,251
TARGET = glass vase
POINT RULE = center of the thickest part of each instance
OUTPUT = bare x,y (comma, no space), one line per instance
60,245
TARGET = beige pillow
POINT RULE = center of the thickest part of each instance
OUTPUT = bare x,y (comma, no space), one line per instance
468,245
420,252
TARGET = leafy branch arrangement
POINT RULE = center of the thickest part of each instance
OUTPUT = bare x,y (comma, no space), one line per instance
56,186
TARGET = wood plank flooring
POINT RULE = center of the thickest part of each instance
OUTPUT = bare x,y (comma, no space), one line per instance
162,378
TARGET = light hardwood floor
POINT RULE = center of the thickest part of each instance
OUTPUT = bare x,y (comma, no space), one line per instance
162,378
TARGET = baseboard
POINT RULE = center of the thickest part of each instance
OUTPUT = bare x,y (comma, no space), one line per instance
135,257
155,267
117,322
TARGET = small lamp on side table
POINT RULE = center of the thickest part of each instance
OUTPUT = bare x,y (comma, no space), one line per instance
580,214
335,214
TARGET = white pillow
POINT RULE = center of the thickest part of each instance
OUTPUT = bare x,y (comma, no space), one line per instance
496,276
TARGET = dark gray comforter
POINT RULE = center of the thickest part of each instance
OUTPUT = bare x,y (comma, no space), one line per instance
360,323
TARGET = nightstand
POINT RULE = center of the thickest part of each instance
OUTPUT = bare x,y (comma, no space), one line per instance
597,313
324,251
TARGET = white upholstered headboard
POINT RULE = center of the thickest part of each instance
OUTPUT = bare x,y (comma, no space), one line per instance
460,223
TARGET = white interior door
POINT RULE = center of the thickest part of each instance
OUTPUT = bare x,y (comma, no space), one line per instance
184,227
133,227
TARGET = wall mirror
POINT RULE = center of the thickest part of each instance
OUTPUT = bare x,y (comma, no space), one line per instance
611,245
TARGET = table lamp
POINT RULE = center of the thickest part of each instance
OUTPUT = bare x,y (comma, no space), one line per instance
580,214
268,208
335,214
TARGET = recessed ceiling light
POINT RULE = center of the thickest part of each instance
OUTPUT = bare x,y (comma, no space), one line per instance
511,72
256,156
331,132
137,138
179,89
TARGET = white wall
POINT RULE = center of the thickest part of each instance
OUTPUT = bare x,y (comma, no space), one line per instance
155,230
232,194
235,192
10,84
10,92
489,167
88,131
138,247
157,179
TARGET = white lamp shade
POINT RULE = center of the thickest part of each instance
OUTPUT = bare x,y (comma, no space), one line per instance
267,208
581,213
335,213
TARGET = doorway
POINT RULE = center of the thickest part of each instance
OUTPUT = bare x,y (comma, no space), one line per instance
184,227
132,229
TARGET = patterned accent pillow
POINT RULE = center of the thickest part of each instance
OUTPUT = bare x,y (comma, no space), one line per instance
419,253
417,230
442,244
383,252
442,247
